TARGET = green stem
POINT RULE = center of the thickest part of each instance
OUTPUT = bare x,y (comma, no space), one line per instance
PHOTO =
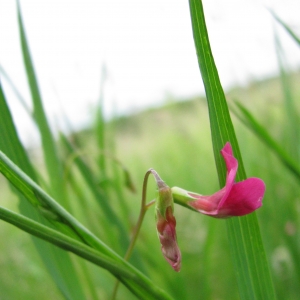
249,258
143,210
65,242
39,198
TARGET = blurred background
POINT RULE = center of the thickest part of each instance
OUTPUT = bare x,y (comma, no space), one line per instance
143,49
121,80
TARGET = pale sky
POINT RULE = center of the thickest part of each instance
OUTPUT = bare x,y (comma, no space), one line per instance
146,46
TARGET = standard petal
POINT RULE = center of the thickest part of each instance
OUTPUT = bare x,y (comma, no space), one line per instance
244,198
232,166
234,199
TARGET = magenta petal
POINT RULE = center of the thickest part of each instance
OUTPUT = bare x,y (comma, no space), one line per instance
231,165
234,199
207,205
167,236
244,197
170,248
227,149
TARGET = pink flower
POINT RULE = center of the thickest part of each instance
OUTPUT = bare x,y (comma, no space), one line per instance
167,236
165,224
235,199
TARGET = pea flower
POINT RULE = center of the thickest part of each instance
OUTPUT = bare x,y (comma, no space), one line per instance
165,224
235,199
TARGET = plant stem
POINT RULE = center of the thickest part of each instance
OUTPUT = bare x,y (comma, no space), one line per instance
134,281
106,257
137,228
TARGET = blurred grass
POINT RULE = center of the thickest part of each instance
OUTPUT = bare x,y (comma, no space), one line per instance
86,173
180,150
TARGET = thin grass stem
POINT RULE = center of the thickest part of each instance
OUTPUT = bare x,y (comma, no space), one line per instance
137,228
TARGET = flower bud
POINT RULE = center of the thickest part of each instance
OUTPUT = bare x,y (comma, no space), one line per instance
166,224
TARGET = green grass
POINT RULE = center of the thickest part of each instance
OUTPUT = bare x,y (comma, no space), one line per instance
90,201
179,149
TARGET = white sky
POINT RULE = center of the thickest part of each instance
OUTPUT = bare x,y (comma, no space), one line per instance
146,46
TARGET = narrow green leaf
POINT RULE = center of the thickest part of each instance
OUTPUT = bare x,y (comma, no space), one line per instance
65,242
52,161
44,202
250,263
291,116
90,179
56,261
287,28
142,287
249,120
220,121
27,187
100,124
118,269
15,90
99,195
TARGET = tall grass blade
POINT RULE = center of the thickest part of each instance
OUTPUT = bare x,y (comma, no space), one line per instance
15,90
250,263
292,116
57,261
102,199
287,28
116,268
100,123
39,198
65,242
48,207
244,115
52,161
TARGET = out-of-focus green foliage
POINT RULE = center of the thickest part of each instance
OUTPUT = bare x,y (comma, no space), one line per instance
175,141
182,157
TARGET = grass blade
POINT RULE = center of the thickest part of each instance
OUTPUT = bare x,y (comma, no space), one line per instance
27,187
119,270
52,161
65,242
250,263
56,261
91,181
292,116
248,119
15,90
100,123
287,28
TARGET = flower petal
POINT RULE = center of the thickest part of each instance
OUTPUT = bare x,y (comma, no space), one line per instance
208,205
245,197
167,236
211,205
234,199
232,166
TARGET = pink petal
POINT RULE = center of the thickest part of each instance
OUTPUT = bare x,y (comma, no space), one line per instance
235,199
167,236
227,149
207,204
210,205
232,166
169,248
245,197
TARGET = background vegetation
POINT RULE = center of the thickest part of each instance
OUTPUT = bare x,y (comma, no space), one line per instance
179,148
97,174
